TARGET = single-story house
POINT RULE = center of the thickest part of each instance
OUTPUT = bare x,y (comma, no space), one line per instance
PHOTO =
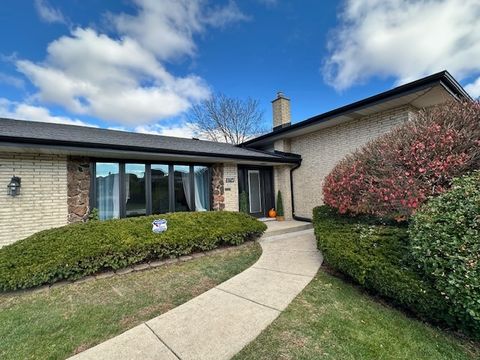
56,174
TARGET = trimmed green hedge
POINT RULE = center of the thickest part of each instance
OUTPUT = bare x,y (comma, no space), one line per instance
77,250
376,256
445,239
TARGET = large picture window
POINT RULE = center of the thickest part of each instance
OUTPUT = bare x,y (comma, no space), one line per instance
107,183
160,194
122,189
183,194
202,186
135,202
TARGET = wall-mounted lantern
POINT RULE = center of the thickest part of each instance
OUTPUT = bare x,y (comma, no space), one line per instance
14,186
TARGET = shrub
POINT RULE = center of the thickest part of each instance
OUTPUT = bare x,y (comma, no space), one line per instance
77,250
394,174
375,255
279,204
445,239
244,202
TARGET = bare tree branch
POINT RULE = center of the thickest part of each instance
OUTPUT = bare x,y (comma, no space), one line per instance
226,119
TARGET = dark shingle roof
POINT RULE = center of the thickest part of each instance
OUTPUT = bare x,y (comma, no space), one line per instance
32,132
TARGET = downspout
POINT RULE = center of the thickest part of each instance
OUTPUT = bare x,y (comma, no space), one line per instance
299,218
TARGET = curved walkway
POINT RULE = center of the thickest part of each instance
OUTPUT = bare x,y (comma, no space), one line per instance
220,322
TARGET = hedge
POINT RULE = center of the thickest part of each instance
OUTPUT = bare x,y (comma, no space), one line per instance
78,250
445,239
376,256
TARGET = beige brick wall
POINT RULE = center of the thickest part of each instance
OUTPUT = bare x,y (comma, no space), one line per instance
281,181
42,203
230,171
322,150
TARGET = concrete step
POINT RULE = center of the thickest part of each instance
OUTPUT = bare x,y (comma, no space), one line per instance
279,230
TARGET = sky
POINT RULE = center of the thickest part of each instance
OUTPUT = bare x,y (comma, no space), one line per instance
139,65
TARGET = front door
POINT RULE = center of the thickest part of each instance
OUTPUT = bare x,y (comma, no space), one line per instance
254,192
257,184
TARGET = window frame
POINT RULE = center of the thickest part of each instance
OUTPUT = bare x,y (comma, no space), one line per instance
148,182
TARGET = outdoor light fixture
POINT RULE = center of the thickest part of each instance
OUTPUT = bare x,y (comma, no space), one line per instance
14,186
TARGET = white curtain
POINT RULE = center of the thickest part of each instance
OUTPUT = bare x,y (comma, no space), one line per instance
186,188
201,191
108,196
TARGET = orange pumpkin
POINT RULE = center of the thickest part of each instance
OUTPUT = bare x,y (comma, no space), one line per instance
272,213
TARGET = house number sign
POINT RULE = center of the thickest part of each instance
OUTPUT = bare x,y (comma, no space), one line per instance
230,180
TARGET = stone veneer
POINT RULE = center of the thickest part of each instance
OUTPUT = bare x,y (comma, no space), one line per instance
42,202
225,187
323,149
218,198
78,175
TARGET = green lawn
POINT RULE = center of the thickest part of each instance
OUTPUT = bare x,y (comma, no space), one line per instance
56,323
332,319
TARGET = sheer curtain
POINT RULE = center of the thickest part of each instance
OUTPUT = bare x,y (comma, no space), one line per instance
186,188
108,182
201,188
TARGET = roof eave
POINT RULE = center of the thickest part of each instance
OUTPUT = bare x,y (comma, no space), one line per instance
443,78
105,149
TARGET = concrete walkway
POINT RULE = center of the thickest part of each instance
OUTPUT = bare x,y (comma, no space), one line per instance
221,321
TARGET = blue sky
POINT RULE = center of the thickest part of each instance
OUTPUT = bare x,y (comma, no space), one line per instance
140,64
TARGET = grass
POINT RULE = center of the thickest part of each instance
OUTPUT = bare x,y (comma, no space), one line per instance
332,319
59,322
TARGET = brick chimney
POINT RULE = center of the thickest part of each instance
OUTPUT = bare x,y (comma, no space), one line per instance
281,111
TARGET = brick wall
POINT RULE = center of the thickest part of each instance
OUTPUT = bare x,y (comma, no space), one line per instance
281,181
322,150
42,202
230,171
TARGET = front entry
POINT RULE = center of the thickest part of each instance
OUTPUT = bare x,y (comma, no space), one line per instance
257,184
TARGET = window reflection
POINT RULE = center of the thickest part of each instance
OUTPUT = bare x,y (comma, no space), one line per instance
135,202
182,188
107,190
160,202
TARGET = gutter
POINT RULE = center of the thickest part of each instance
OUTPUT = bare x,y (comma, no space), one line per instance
157,151
298,218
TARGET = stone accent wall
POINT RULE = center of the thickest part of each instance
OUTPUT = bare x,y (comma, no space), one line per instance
218,198
42,202
78,175
281,181
230,172
322,150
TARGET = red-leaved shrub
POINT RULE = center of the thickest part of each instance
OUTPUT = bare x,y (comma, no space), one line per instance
395,173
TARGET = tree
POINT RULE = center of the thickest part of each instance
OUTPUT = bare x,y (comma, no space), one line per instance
227,119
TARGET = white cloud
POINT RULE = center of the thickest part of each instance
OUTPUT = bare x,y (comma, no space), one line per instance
182,130
115,80
404,39
23,111
123,79
167,27
48,13
474,88
12,80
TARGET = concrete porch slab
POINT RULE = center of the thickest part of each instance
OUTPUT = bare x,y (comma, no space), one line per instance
284,227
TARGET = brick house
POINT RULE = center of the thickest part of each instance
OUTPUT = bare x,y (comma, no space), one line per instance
67,170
